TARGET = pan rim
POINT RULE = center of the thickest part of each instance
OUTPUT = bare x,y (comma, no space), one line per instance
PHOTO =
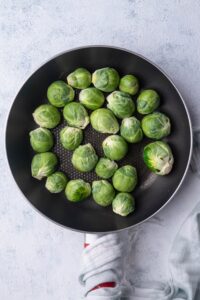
189,122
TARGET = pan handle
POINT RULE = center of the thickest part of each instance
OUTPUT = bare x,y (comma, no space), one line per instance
89,239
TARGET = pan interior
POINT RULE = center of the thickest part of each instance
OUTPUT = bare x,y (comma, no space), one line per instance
152,191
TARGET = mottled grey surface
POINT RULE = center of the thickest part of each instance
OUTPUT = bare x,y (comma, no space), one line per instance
39,260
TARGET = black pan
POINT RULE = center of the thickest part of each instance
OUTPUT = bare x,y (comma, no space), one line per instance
152,193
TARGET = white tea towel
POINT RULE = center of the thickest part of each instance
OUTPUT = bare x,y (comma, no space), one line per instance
184,266
185,258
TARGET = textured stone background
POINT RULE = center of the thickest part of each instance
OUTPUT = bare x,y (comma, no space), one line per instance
39,260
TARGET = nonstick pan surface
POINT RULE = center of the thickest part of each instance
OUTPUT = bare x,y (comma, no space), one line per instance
152,193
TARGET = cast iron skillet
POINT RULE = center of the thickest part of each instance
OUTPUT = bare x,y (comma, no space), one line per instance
153,191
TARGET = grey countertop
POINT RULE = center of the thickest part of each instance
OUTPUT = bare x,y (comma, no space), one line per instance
38,259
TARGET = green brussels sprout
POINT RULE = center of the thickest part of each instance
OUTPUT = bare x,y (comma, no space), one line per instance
77,190
158,157
71,137
79,79
76,115
56,182
103,192
125,179
84,158
156,125
106,79
104,121
41,139
121,104
47,116
129,84
59,93
43,164
105,168
147,102
131,130
91,98
115,147
123,204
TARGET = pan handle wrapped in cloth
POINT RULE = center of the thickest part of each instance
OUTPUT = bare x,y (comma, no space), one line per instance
101,271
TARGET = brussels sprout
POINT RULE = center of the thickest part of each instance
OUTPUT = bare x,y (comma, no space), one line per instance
130,130
105,168
158,157
91,98
43,165
47,116
147,102
115,147
121,104
123,204
156,125
76,115
59,93
129,84
56,182
84,158
41,139
103,192
71,137
106,79
79,79
125,179
77,190
104,121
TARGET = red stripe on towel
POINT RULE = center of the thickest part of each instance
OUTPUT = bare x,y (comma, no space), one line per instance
105,285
